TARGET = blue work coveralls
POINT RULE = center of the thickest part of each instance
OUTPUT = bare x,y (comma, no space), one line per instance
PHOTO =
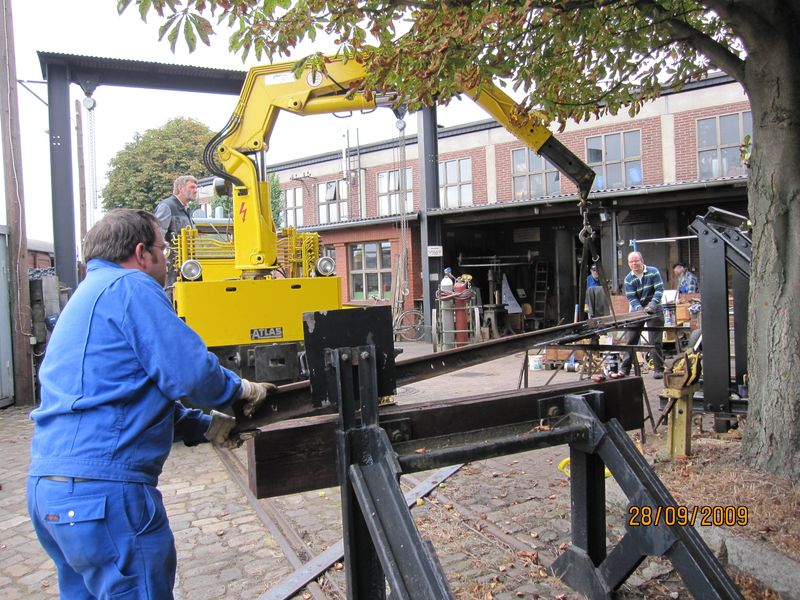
117,363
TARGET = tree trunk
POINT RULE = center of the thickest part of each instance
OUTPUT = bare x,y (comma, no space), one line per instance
772,434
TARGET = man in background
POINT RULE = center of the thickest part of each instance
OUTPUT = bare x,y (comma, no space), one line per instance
687,281
173,215
644,288
593,279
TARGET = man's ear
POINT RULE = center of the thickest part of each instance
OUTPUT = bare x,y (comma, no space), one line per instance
139,252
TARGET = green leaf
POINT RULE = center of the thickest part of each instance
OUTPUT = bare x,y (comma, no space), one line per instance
144,8
172,38
122,5
165,27
203,27
189,35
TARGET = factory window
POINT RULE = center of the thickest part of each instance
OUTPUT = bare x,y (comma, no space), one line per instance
534,176
718,141
616,159
455,183
389,192
332,202
292,213
370,270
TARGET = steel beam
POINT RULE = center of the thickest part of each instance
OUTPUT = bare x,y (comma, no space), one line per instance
61,175
298,455
294,400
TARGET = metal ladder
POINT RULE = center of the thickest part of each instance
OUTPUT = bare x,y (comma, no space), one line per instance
541,274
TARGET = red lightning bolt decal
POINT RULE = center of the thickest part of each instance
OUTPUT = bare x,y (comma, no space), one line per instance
243,211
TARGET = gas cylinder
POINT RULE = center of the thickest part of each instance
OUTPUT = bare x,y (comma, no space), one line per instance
446,309
460,306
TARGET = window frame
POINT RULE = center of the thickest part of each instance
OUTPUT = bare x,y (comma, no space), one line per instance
623,160
547,169
324,206
391,198
719,148
383,272
459,186
294,194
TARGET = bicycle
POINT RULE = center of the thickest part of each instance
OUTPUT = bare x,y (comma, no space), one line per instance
408,324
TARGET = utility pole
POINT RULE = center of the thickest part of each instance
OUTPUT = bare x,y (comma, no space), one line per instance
81,172
21,330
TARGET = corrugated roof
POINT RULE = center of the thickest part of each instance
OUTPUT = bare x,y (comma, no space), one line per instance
545,201
94,70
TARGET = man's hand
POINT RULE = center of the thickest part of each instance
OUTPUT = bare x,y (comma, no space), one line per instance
219,431
254,395
651,308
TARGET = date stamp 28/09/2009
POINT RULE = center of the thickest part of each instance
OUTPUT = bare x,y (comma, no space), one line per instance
703,515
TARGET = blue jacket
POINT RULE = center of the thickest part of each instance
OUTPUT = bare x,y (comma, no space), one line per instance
117,363
688,283
646,291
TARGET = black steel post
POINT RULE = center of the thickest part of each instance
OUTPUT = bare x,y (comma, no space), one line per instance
588,496
716,332
741,290
363,572
430,227
61,175
588,492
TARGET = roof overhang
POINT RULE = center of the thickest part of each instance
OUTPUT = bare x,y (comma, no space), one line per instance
89,72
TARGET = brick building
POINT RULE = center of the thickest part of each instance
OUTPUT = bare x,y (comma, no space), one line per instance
504,209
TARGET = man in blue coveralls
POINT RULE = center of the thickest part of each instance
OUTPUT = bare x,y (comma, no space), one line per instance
117,363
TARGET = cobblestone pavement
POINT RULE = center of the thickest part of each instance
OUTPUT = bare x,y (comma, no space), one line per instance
495,524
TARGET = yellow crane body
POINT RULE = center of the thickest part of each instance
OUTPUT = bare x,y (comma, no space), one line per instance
250,293
256,311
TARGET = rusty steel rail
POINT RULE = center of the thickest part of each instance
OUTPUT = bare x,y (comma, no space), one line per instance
294,400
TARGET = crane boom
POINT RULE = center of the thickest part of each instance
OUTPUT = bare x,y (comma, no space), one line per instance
269,89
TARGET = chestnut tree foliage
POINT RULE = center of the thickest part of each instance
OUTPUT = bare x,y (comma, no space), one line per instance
572,59
142,173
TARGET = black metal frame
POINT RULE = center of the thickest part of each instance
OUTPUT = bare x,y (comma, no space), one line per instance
723,243
382,543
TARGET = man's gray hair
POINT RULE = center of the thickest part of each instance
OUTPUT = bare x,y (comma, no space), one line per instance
181,182
114,237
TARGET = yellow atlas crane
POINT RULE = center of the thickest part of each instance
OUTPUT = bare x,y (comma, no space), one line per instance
246,297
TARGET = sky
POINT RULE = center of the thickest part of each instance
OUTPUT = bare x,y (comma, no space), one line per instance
93,28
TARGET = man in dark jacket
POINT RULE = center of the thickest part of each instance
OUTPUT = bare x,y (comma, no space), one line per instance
173,215
111,383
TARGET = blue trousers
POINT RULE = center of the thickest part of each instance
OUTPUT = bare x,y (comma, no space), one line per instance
108,539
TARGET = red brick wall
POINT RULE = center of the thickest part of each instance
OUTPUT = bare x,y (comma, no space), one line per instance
653,172
39,260
341,238
686,136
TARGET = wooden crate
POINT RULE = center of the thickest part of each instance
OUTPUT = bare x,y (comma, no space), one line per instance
561,354
682,314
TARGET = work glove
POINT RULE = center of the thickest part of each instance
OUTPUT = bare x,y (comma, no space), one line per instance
254,395
651,308
219,432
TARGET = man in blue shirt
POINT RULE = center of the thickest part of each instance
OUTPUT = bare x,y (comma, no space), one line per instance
687,281
117,364
593,279
644,288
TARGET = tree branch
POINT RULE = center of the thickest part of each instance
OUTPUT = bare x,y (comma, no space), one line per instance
746,16
715,52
